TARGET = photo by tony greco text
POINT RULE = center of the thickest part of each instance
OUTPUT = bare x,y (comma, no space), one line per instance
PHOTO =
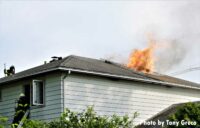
170,123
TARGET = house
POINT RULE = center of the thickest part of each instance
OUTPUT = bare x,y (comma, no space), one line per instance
163,116
76,82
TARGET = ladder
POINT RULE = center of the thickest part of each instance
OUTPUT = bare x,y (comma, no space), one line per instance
24,118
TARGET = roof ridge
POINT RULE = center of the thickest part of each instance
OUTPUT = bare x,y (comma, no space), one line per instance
66,59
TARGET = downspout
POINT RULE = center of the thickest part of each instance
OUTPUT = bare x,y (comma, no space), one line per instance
63,89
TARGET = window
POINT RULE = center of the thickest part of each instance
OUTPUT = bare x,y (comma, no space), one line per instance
27,92
0,94
38,92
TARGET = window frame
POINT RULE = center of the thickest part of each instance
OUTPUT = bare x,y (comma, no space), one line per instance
33,93
1,96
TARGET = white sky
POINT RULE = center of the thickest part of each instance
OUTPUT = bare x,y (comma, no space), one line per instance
33,31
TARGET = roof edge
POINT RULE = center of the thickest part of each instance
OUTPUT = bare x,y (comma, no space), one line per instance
129,78
33,74
109,75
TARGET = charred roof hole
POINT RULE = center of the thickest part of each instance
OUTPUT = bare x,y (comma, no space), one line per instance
107,61
55,58
114,79
168,86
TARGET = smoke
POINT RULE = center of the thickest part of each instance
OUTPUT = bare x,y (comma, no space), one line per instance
169,54
177,35
188,19
184,45
116,57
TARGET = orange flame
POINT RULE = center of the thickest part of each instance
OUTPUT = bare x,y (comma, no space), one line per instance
142,60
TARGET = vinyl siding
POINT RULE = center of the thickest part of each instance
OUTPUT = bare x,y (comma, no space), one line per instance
122,97
51,109
52,97
9,96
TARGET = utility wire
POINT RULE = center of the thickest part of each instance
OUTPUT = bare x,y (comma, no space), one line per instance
186,70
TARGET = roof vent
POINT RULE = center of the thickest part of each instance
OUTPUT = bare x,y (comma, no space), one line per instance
55,58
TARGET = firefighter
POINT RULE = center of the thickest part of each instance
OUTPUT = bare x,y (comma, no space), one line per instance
21,107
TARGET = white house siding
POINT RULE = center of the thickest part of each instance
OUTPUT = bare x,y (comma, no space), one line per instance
122,97
52,108
9,95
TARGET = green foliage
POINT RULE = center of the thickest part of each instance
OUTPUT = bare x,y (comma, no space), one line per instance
189,112
34,124
85,119
89,119
3,122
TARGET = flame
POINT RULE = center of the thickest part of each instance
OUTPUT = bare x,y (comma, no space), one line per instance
143,60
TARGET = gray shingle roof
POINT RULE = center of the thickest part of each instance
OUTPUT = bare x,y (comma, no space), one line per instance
94,65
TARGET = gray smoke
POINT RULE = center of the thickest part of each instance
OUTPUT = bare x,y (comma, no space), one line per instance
185,44
169,56
181,38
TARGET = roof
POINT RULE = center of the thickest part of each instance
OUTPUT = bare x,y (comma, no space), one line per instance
163,115
95,66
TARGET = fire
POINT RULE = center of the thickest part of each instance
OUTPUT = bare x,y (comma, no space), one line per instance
143,60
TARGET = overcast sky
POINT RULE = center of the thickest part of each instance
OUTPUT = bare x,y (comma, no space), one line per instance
33,31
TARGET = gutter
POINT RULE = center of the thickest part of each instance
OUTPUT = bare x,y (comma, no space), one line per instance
129,78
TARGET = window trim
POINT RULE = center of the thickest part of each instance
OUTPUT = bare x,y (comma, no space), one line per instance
1,96
33,94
